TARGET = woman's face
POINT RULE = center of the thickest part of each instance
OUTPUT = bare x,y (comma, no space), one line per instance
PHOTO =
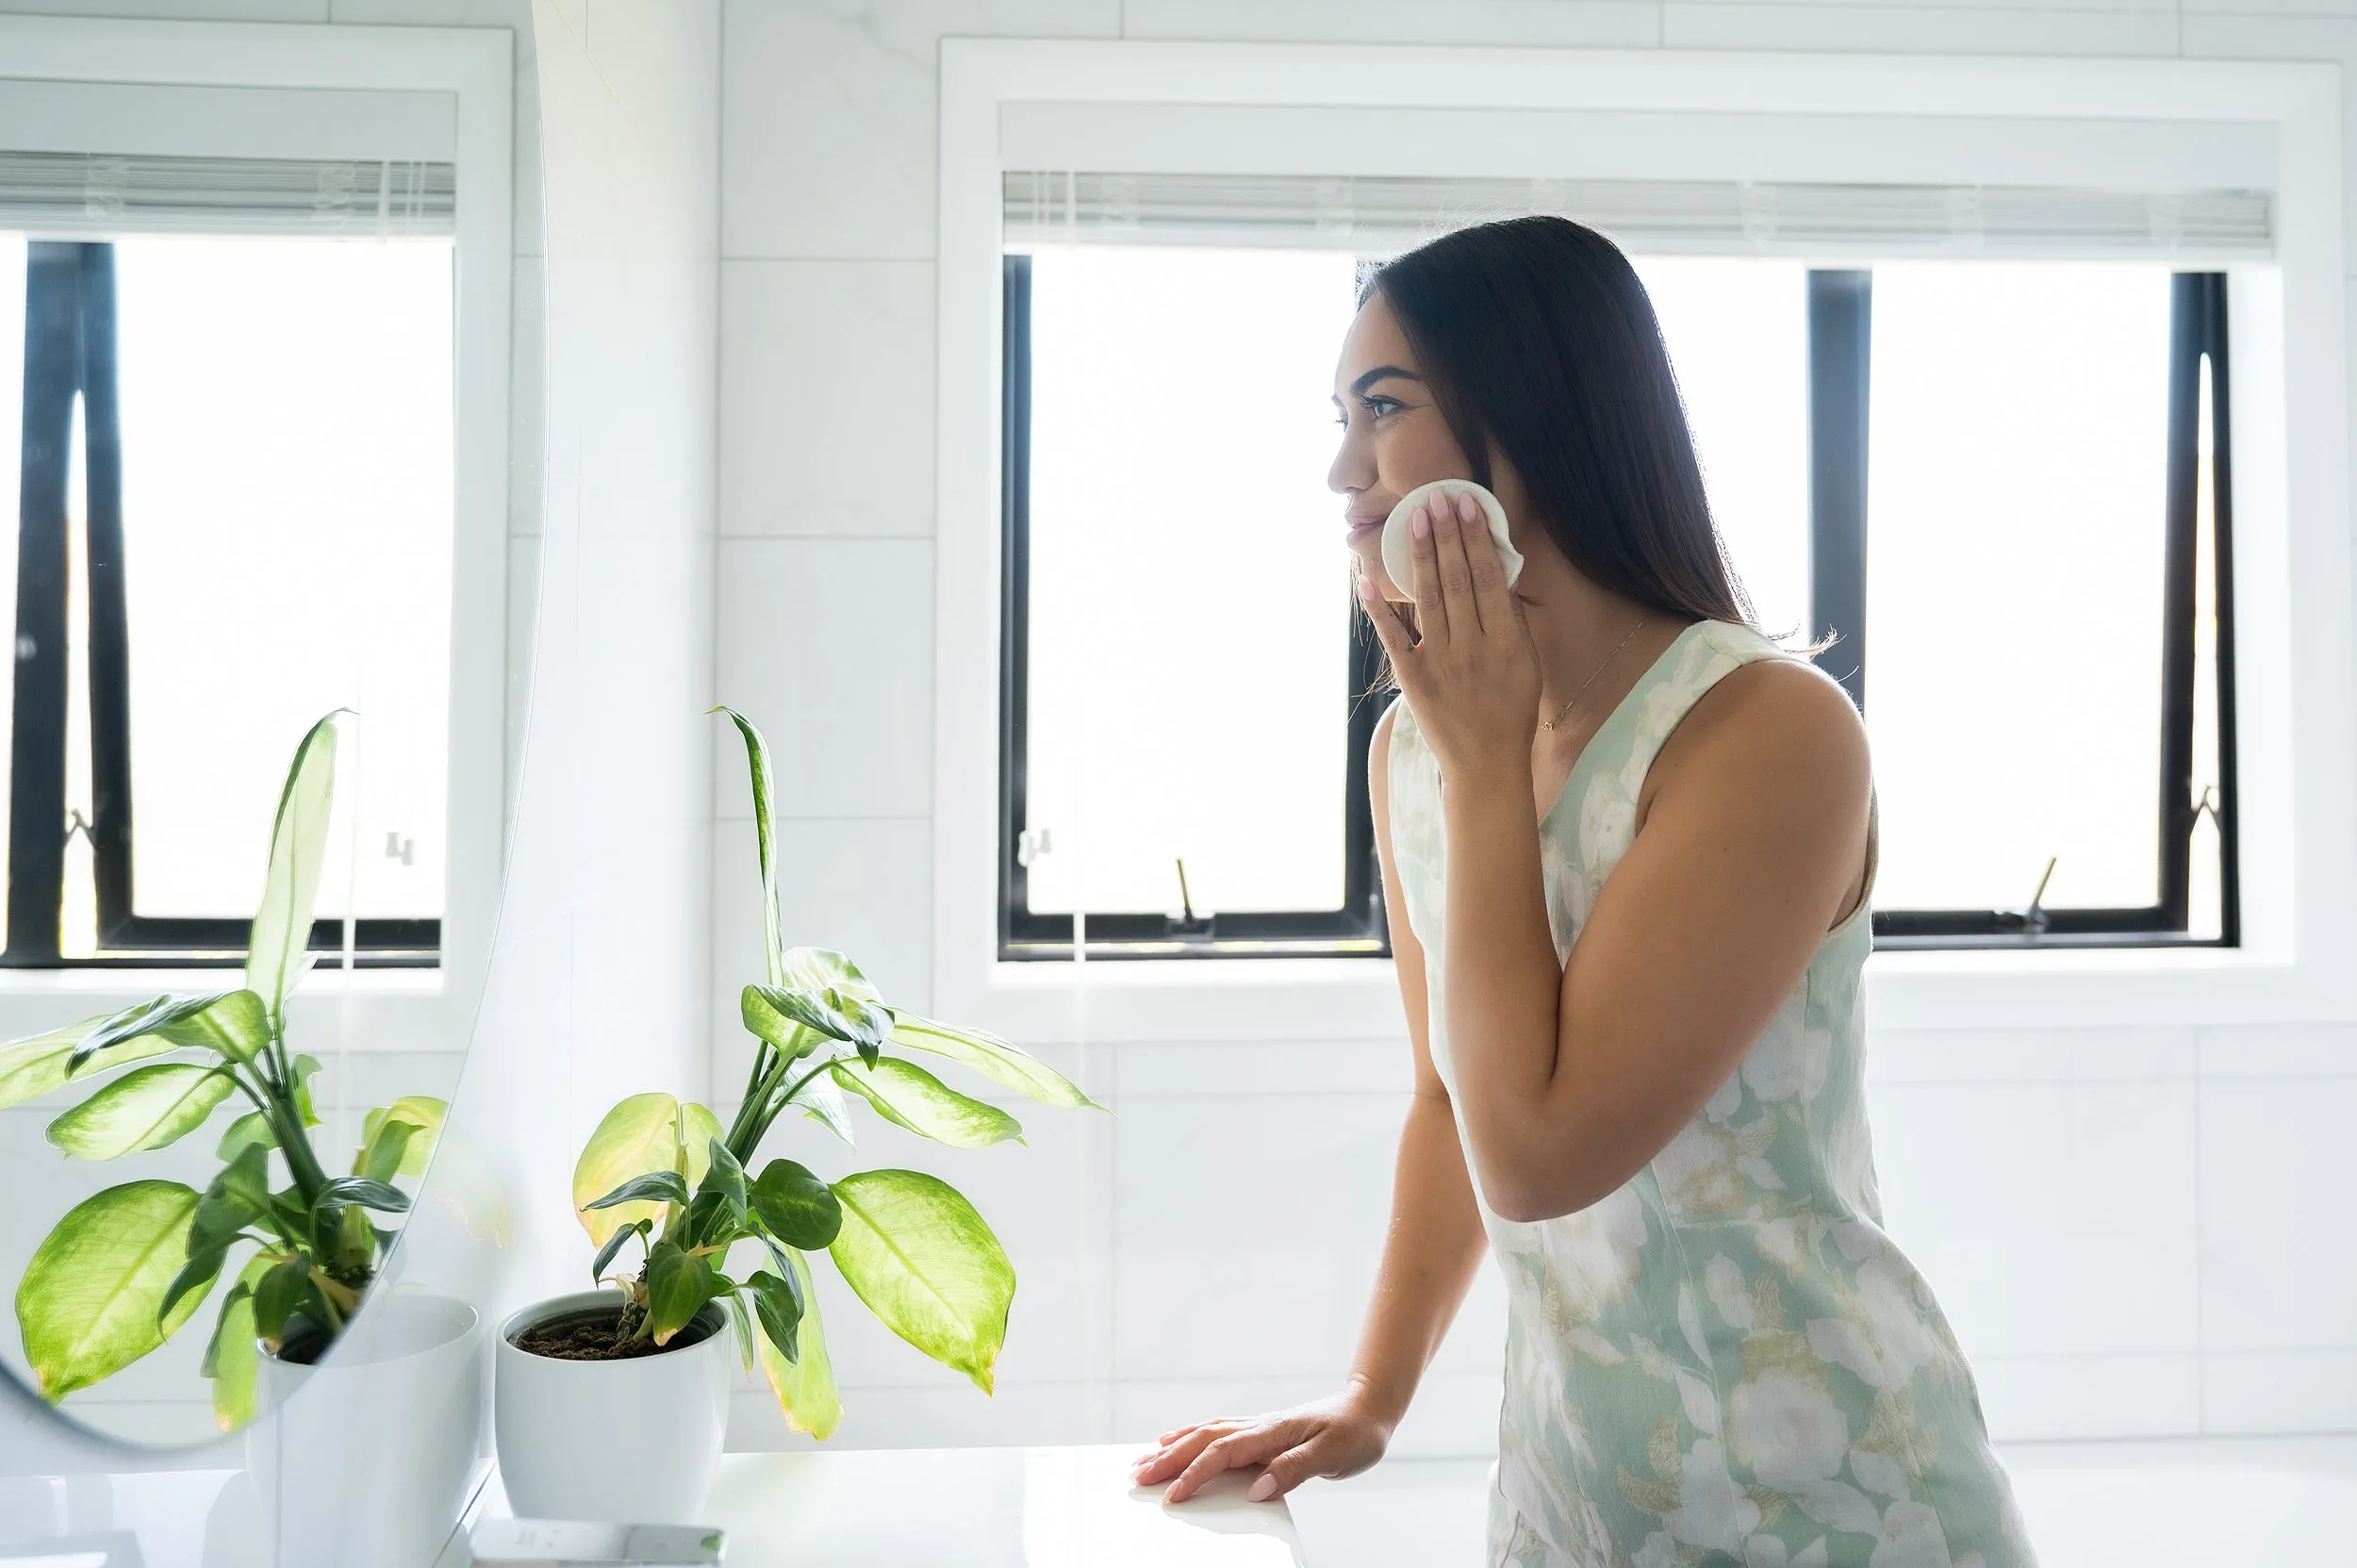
1394,438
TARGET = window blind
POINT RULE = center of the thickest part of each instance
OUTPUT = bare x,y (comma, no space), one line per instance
1380,214
86,194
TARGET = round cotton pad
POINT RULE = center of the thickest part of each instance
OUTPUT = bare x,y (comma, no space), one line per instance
1396,552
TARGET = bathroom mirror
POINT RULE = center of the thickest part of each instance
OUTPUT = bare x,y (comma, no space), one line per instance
270,409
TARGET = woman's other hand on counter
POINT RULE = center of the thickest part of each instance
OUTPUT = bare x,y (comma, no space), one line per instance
1333,1437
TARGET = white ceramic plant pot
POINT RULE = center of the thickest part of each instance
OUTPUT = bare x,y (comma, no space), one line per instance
631,1442
361,1462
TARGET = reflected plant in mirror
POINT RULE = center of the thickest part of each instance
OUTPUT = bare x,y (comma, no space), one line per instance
125,1269
667,1175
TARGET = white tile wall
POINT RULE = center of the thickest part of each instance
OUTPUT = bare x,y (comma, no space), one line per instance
2077,1235
2137,1231
829,119
827,645
827,399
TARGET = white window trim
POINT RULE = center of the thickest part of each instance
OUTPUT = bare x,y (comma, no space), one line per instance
474,68
1017,103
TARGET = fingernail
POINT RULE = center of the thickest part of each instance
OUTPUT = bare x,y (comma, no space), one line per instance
1465,507
1367,591
1421,525
1264,1489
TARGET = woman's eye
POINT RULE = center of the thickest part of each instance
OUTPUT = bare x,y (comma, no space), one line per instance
1380,406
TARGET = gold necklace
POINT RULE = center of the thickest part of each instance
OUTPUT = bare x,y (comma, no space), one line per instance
1565,712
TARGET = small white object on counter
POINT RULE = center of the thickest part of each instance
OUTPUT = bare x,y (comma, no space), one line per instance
580,1543
1397,546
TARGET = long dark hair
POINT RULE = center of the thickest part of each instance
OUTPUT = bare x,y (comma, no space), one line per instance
1535,334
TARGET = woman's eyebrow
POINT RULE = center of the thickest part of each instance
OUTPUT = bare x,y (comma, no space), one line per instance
1381,372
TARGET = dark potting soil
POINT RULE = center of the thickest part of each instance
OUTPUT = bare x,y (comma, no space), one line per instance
596,1336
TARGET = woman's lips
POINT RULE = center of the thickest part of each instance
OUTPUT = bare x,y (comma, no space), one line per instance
1362,524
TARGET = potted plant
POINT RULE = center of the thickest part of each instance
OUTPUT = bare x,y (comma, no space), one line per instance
610,1404
125,1269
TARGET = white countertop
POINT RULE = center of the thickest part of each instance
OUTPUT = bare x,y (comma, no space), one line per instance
975,1508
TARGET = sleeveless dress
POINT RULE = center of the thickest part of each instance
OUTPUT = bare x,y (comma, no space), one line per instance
1725,1362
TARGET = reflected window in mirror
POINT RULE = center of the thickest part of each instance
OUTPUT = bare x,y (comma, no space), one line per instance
235,510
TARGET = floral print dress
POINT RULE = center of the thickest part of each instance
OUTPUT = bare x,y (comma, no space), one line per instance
1726,1361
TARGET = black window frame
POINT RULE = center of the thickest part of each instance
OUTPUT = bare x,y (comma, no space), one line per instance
70,359
1840,338
1356,929
1840,331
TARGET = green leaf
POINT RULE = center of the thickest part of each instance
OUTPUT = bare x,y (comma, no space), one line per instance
723,1175
245,1181
795,1206
823,969
233,1358
993,1058
235,1024
87,1299
365,1193
656,1186
43,1064
679,1283
854,1020
614,1244
250,1130
640,1135
380,1158
280,1291
804,1386
278,947
145,1108
907,1095
781,1311
927,1266
757,764
822,1102
153,1017
765,1022
742,1324
423,1115
299,1073
197,1275
697,1128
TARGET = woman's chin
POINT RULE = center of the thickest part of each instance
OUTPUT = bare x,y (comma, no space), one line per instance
1367,554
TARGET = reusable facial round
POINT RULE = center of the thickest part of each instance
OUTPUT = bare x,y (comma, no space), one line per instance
1397,553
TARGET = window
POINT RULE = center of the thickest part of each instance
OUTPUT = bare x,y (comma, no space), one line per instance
236,512
1998,486
1183,759
2031,584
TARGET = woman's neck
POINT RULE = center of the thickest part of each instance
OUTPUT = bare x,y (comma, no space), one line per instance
1591,642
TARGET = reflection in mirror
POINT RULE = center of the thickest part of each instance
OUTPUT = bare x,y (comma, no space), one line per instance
261,400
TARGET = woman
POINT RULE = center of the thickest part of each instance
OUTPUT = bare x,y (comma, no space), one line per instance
1627,845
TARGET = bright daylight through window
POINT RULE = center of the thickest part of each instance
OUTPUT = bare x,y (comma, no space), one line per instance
247,523
2024,591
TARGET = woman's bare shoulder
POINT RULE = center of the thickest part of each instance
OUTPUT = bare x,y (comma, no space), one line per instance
1773,724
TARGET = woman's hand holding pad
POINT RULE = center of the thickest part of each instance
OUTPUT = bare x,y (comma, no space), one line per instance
1470,673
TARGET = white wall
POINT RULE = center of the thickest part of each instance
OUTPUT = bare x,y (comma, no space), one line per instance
2134,1230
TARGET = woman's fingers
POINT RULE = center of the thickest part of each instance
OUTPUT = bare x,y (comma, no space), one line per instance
1425,566
1296,1466
1455,567
1249,1447
1493,602
1183,1446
